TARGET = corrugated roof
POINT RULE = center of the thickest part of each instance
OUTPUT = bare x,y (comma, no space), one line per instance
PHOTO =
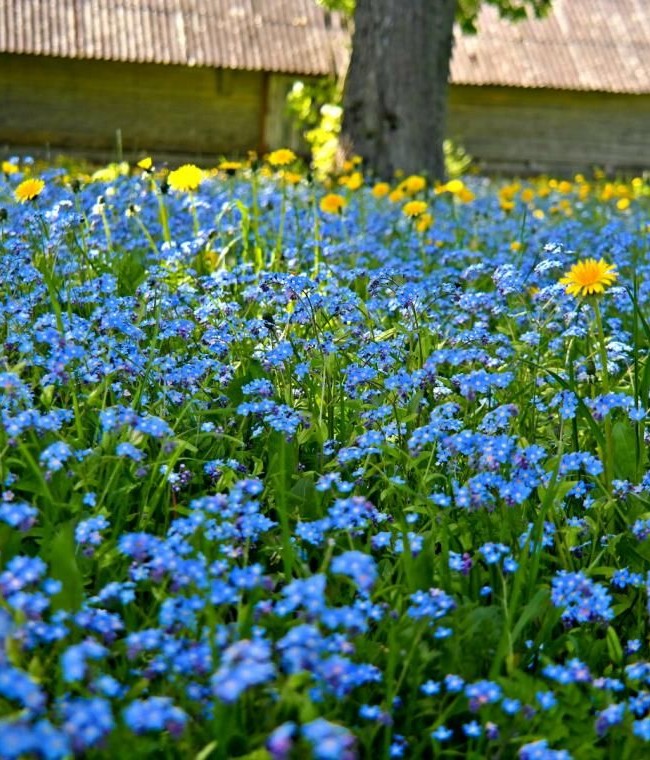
601,45
291,36
582,45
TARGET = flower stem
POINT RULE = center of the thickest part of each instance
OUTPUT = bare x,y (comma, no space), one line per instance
608,454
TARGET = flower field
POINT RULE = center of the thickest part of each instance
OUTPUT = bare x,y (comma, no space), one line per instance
293,470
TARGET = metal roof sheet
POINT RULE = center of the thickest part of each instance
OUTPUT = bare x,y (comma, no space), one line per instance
601,45
292,36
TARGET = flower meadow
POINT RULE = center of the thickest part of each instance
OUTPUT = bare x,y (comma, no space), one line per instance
293,470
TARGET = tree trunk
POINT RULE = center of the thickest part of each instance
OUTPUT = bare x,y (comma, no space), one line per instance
395,97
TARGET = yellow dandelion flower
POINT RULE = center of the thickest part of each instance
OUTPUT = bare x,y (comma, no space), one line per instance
527,195
607,192
414,209
332,203
351,181
424,222
413,184
29,190
186,178
538,213
105,174
396,196
454,186
145,163
9,168
355,180
516,246
622,204
589,277
465,195
291,178
230,167
381,189
281,157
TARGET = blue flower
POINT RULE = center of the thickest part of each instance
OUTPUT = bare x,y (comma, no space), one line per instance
86,721
18,514
582,600
329,741
472,730
433,604
88,533
540,750
358,566
74,658
155,714
442,734
244,664
281,741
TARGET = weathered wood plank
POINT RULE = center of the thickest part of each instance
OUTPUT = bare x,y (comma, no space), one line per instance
70,103
513,129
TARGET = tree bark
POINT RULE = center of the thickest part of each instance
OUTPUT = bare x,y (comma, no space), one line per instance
395,97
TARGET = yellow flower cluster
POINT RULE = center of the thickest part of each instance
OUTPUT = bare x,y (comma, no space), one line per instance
351,181
458,189
578,190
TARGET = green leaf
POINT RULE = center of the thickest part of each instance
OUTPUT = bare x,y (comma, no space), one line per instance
533,609
205,753
63,567
614,646
624,435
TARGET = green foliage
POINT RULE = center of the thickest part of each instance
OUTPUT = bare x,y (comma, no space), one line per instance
306,99
467,10
513,10
342,6
315,109
457,159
